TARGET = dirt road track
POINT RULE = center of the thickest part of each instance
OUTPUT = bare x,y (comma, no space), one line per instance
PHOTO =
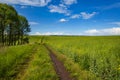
22,67
59,67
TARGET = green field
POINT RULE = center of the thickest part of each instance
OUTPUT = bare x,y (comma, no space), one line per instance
26,62
98,55
85,58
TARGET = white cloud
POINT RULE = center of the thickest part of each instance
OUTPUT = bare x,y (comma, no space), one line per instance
49,33
108,31
27,2
82,15
69,2
112,31
85,15
22,7
116,23
33,23
62,8
63,20
93,31
75,16
59,9
115,5
37,33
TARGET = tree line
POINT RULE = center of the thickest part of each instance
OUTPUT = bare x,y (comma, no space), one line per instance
14,28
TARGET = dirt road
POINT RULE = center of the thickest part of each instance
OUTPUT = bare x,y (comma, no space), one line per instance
59,67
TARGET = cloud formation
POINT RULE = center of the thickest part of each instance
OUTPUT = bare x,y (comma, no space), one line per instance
115,5
33,23
85,15
63,20
22,7
59,9
82,15
92,32
75,16
69,2
27,2
116,23
108,31
49,33
62,8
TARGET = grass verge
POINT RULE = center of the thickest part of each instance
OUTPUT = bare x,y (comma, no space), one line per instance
10,57
41,67
76,72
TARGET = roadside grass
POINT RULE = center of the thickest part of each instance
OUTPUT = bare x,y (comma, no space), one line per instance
35,39
85,57
12,60
10,57
40,68
76,72
99,55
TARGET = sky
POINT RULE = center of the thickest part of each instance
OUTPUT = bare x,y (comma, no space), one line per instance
70,17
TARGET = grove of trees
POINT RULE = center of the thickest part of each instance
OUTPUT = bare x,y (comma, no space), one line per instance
14,28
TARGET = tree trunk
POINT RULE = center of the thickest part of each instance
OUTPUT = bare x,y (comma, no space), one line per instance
18,38
2,34
10,35
0,37
21,37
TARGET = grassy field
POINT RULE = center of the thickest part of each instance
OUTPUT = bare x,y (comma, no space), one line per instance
26,62
85,57
98,55
10,57
41,66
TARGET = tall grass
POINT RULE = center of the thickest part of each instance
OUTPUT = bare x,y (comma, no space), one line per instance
87,58
41,67
98,55
76,72
10,57
35,39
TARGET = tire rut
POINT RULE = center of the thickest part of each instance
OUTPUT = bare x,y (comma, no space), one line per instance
59,67
22,67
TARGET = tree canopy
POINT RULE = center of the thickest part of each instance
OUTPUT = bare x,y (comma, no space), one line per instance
14,28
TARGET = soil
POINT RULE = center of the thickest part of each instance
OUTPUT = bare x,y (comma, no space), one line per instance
59,67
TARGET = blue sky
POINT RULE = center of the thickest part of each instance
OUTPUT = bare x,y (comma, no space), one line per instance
70,17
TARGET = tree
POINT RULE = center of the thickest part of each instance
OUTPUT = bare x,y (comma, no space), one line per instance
2,22
11,21
13,27
23,28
